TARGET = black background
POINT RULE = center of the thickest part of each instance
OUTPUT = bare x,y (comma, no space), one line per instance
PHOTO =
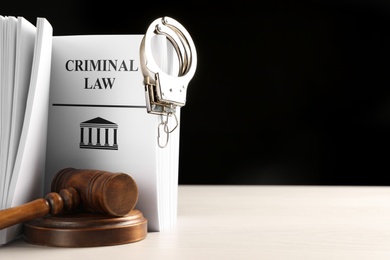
287,92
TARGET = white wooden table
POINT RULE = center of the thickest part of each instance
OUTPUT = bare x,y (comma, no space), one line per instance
254,222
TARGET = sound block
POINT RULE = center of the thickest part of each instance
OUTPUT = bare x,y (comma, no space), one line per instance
84,229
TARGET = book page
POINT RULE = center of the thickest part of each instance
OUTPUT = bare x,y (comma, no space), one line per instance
2,65
7,77
28,173
25,39
168,158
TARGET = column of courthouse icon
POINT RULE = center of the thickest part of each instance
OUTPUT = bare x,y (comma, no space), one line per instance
98,133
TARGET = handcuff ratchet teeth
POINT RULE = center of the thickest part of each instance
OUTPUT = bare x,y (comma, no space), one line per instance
165,92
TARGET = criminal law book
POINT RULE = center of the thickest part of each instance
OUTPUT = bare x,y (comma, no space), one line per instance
25,73
98,119
86,108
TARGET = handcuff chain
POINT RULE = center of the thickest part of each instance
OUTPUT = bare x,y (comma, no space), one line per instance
165,126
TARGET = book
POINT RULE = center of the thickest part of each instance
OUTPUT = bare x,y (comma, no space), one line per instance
98,119
25,74
92,115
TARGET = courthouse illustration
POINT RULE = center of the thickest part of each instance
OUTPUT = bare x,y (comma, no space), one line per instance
98,133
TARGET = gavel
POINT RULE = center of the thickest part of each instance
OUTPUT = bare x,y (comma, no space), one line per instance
115,194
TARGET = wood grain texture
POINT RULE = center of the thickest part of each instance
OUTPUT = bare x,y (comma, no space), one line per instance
256,222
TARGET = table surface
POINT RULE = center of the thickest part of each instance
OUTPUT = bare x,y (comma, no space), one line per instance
254,222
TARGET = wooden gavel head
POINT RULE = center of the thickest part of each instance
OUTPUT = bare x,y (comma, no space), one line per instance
115,194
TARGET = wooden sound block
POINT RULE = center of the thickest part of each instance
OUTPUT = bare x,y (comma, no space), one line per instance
84,229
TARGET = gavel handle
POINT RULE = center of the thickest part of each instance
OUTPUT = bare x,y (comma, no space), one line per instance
53,203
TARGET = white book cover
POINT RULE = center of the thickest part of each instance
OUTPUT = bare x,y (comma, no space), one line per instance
98,119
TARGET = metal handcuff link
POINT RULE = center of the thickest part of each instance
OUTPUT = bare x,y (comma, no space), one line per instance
165,92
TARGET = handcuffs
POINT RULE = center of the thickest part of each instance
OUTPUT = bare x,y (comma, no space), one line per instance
164,92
